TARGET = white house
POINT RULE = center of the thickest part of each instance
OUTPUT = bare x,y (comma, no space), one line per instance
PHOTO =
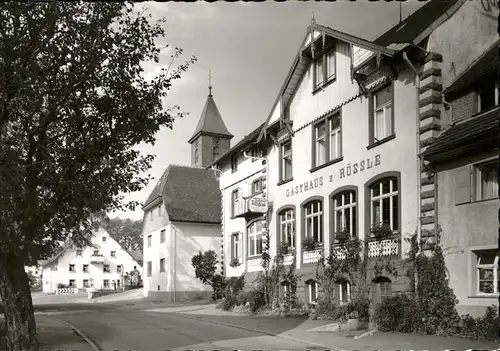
102,266
182,215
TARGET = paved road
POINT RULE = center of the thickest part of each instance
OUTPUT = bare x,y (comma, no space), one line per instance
114,328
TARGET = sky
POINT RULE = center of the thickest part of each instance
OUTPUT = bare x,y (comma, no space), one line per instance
249,48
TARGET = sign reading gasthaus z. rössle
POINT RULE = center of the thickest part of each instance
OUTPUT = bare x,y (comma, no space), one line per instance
343,172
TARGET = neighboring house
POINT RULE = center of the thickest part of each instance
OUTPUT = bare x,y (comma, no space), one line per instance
346,133
35,273
464,155
99,267
182,215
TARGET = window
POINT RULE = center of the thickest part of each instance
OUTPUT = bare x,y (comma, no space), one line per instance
235,202
487,272
119,268
234,163
312,289
331,68
382,126
327,140
314,220
344,291
236,249
320,139
325,69
285,288
104,239
485,176
72,283
149,240
382,289
150,215
85,268
162,236
215,148
287,227
385,203
487,94
72,268
159,211
162,265
113,253
96,253
256,152
106,268
257,186
150,268
105,283
86,283
118,282
79,253
255,232
286,161
344,209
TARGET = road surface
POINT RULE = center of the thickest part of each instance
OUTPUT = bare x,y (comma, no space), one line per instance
122,328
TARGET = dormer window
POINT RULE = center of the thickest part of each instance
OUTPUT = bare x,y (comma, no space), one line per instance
487,94
325,69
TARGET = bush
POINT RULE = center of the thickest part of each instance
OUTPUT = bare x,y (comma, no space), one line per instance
397,313
230,301
256,299
325,308
485,327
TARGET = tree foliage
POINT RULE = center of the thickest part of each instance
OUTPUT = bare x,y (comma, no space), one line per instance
126,232
74,106
205,269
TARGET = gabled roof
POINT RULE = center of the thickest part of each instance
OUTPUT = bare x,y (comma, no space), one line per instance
420,23
210,121
301,62
242,144
189,194
487,63
478,133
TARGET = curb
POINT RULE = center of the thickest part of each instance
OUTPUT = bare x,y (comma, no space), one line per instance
92,344
155,310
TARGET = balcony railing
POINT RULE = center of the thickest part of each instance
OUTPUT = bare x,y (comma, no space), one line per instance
288,259
383,248
312,256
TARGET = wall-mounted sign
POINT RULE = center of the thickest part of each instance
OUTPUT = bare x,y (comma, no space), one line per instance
343,172
257,205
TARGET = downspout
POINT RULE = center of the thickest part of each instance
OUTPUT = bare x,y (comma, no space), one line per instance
417,137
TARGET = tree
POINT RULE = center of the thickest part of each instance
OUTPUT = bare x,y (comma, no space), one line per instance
74,106
126,232
205,269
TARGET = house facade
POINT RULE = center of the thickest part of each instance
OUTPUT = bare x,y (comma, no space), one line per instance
104,265
462,158
342,149
182,215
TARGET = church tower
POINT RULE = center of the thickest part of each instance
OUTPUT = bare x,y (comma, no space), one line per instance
211,138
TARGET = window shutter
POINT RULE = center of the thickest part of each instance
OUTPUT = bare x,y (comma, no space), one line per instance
463,185
232,247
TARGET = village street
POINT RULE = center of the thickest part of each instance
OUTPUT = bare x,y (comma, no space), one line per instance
146,325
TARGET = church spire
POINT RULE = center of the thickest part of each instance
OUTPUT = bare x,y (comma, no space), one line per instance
210,83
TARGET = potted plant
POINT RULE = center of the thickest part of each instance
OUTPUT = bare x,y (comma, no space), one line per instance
309,244
342,236
381,231
284,249
234,262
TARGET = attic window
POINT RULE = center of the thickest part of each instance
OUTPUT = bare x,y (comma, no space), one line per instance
104,239
325,69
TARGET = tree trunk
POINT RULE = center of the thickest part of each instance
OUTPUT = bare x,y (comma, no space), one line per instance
18,307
